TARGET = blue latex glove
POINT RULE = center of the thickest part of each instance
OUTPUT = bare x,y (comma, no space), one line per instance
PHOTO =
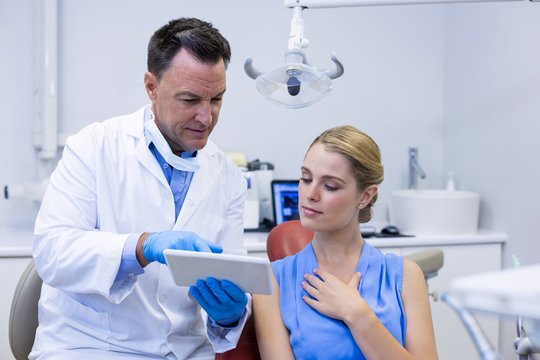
223,301
155,243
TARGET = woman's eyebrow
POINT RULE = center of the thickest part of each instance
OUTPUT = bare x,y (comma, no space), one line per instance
325,177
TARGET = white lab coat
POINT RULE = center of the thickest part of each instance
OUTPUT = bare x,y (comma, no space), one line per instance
107,186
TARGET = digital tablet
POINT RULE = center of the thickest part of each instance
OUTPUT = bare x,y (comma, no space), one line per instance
251,274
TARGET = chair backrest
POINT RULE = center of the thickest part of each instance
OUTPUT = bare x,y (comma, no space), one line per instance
23,317
290,237
430,261
286,239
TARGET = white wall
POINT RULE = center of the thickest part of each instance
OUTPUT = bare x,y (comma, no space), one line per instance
392,87
461,82
492,120
17,157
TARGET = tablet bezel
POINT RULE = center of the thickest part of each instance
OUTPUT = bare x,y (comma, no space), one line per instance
251,274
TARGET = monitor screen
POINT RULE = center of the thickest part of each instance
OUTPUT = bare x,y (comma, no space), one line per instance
285,200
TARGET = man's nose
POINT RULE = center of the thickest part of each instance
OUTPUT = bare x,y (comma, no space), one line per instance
204,113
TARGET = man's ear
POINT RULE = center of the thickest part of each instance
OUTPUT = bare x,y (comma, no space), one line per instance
150,84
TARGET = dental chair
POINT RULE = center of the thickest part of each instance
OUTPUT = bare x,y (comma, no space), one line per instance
23,317
290,237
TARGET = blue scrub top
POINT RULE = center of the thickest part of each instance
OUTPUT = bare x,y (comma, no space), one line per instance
315,336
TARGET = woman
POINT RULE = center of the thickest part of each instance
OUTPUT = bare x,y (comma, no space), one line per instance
340,298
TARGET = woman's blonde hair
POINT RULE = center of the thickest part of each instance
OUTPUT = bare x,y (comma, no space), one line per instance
363,155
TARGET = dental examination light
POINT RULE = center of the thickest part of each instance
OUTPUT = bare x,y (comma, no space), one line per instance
295,84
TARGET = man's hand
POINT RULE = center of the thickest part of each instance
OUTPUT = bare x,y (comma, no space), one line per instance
154,244
223,301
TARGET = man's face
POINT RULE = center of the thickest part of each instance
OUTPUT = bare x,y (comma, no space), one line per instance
187,100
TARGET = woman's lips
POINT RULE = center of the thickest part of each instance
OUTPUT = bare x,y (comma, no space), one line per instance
310,212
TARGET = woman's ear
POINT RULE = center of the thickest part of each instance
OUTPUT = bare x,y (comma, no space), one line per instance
368,194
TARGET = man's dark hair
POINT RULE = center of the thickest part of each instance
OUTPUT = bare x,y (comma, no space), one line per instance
199,37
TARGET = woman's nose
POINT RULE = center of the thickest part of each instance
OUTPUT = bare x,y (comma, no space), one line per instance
312,194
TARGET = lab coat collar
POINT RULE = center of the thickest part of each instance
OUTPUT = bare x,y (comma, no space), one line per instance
135,128
203,179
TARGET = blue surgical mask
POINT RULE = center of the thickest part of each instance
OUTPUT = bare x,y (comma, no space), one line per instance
177,162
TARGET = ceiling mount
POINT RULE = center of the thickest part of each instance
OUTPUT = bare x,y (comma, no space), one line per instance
318,4
295,84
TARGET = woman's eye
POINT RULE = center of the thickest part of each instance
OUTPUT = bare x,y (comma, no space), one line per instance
305,180
331,187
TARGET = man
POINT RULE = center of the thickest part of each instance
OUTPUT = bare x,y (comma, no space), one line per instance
125,190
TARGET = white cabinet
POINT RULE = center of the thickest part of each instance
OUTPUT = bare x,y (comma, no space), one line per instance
255,243
11,270
463,255
453,341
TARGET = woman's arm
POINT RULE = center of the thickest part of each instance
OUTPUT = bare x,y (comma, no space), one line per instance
420,337
272,336
375,340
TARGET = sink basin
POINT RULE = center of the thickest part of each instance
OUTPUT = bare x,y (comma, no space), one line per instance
435,212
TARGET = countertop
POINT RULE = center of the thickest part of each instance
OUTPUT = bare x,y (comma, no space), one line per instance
256,241
18,243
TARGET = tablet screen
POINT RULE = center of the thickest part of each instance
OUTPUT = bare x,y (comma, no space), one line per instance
251,274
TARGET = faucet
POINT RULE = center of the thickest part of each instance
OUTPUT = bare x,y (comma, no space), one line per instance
415,170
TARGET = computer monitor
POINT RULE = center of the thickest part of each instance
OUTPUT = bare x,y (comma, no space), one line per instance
285,200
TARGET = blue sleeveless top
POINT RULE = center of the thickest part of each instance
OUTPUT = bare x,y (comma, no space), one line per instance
315,336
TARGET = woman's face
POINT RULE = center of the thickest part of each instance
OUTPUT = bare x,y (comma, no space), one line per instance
328,194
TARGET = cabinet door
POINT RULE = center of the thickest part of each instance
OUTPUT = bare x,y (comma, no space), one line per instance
13,268
453,340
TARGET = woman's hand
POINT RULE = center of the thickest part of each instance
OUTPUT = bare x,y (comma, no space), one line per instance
334,298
